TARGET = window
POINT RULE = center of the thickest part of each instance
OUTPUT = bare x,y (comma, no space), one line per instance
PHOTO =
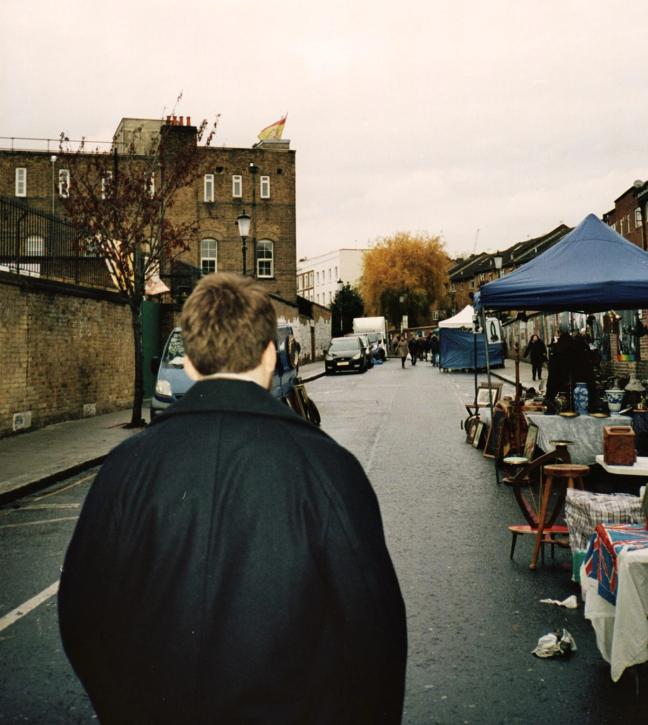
208,256
237,186
317,277
265,258
34,247
299,283
106,180
330,297
336,275
150,185
208,193
621,226
64,183
310,278
265,187
21,181
329,274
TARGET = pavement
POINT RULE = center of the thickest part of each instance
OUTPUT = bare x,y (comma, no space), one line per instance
35,459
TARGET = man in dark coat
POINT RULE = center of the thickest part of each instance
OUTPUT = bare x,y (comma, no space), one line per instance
229,565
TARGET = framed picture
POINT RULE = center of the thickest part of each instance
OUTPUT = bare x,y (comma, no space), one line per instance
493,443
478,437
482,394
531,441
471,426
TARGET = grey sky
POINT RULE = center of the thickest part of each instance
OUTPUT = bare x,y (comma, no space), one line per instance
510,116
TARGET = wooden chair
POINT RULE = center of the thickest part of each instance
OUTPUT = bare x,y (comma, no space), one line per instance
569,474
525,475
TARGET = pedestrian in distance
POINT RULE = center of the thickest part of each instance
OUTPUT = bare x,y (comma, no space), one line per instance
536,351
402,348
421,348
229,564
434,350
412,347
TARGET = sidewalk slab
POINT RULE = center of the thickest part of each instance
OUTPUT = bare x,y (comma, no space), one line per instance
33,459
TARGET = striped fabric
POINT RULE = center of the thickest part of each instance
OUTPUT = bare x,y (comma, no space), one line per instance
585,510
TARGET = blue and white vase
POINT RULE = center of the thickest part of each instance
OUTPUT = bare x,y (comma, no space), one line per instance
614,399
581,398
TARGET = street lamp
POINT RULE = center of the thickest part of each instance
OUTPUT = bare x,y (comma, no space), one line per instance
243,221
497,261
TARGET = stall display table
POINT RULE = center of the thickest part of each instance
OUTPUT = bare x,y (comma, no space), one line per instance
585,510
622,627
640,468
585,432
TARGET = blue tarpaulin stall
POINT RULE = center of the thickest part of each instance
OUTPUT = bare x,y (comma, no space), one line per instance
592,269
457,350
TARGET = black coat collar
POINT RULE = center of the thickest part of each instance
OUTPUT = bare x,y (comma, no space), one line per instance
236,396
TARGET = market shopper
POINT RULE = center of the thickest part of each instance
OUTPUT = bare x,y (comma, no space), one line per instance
434,350
536,351
229,564
413,349
402,348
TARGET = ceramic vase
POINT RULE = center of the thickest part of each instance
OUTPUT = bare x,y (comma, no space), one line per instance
581,398
614,399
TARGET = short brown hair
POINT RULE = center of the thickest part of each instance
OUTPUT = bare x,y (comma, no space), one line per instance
227,323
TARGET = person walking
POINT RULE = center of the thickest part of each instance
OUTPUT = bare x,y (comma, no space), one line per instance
402,349
229,564
412,347
434,350
536,351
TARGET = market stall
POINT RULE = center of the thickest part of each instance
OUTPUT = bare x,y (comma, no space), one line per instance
592,269
463,349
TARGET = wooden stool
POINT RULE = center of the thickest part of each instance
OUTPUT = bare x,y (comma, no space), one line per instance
572,475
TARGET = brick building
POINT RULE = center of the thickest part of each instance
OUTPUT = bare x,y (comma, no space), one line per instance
259,181
628,217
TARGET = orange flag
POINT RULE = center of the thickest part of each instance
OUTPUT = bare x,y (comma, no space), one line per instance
274,131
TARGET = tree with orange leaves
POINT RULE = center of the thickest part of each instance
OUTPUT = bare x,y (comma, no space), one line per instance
405,274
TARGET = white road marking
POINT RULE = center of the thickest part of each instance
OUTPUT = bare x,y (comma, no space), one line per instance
47,506
42,521
26,607
65,488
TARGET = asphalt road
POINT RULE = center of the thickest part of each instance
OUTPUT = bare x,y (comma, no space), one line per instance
473,615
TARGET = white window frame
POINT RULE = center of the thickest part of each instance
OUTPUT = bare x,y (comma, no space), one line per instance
621,226
208,188
108,175
264,187
21,181
317,278
151,185
237,186
34,247
263,259
64,183
208,254
637,217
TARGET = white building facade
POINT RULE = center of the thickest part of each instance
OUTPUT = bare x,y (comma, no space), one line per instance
318,278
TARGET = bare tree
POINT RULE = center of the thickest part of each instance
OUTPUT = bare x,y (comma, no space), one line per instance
122,201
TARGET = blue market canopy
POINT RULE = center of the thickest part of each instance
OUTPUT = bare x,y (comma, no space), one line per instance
591,269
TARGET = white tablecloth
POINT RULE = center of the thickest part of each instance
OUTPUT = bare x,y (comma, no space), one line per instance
585,432
621,630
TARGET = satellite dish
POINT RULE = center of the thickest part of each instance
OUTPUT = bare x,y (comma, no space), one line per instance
638,183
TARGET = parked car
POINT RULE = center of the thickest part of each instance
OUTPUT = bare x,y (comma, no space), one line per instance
345,353
173,382
366,347
377,346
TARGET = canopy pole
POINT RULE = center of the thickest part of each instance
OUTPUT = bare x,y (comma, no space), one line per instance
490,390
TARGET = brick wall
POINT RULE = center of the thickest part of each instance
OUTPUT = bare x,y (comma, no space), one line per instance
273,219
61,349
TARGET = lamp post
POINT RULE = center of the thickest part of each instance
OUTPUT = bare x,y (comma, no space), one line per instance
243,221
53,162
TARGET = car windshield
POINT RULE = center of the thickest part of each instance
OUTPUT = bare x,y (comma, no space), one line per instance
174,353
344,345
